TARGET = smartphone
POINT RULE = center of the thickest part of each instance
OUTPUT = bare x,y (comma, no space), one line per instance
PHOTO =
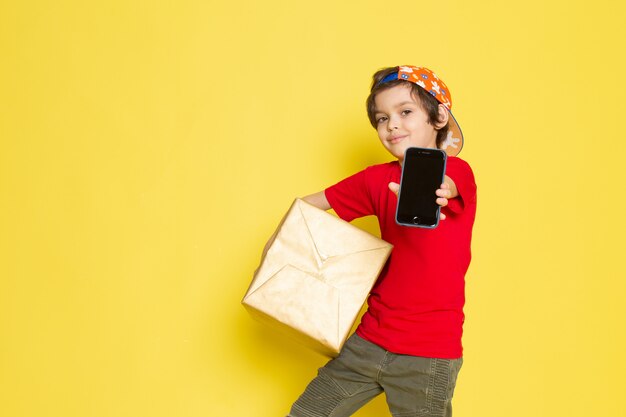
423,171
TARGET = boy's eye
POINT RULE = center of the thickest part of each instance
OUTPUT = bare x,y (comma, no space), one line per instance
381,119
405,112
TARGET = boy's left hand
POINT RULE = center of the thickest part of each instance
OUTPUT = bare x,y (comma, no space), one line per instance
444,193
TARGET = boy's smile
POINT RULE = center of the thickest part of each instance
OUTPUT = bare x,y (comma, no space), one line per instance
402,122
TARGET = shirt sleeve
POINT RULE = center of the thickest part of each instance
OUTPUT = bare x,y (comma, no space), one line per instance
461,173
350,198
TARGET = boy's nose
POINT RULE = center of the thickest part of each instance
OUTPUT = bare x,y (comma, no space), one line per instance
393,124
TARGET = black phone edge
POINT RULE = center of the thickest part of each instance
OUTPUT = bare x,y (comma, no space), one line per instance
445,161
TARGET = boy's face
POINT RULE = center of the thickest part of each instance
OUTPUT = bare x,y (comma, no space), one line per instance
402,123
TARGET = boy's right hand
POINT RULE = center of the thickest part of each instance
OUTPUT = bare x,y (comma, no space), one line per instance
395,187
441,192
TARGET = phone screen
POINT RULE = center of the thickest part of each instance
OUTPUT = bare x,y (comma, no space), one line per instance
422,174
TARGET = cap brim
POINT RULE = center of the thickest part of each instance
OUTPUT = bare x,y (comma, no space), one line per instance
453,143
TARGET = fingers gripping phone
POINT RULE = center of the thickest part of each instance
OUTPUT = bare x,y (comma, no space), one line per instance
423,172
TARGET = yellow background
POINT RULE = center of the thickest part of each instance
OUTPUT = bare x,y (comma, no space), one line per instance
149,149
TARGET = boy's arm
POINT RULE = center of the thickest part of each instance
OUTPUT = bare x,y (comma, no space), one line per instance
318,200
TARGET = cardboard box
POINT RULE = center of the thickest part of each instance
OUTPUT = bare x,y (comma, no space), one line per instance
315,277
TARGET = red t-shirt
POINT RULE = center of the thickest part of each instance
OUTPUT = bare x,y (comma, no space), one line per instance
416,306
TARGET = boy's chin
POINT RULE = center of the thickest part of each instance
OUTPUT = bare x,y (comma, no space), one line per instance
398,153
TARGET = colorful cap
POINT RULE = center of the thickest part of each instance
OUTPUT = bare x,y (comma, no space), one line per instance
429,81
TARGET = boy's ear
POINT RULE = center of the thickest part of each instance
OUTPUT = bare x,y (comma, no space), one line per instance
442,117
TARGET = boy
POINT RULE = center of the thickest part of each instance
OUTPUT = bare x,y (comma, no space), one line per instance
408,343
